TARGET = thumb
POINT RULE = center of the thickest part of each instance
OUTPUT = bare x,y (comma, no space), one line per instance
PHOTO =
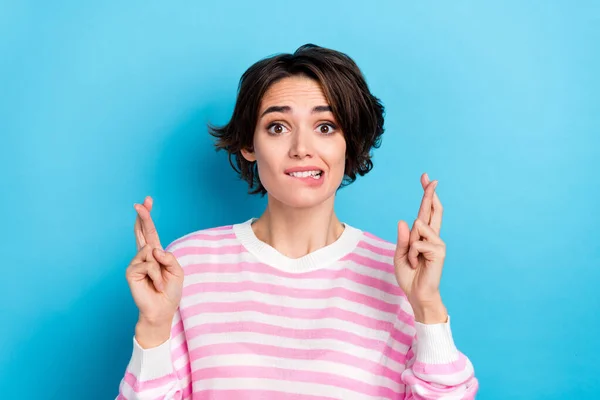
167,260
402,246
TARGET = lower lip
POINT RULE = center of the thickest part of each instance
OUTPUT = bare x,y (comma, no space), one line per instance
310,181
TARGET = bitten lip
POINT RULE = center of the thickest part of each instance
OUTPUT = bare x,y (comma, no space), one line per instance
302,169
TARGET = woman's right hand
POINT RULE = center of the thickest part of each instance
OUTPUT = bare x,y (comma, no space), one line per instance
154,276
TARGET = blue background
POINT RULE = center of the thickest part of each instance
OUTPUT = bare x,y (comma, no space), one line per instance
103,103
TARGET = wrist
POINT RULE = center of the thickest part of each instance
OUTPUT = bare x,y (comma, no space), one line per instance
150,335
431,312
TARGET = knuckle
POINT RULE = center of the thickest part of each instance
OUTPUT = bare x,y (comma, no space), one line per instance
135,260
151,273
153,264
138,267
133,269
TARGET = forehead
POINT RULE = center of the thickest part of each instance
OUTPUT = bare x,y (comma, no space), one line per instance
295,91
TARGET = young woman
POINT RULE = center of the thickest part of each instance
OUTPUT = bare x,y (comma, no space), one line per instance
296,304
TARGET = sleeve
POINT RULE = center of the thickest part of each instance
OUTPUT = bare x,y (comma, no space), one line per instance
161,372
437,369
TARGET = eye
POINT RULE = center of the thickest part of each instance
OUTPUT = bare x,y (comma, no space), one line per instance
276,128
327,128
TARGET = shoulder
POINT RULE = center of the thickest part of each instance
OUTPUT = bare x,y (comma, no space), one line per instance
373,252
376,245
374,259
203,237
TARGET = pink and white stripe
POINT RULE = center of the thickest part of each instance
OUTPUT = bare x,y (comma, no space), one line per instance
246,329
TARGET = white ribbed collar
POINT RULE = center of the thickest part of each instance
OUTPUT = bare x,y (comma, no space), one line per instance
320,258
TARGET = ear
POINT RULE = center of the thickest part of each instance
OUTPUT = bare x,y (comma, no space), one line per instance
248,154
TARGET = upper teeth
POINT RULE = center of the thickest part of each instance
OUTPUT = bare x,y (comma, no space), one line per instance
305,174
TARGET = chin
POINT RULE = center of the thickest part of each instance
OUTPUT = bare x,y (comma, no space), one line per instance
300,198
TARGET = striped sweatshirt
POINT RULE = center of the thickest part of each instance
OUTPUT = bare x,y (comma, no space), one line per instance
334,324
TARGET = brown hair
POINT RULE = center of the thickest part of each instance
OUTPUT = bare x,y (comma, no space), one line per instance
359,113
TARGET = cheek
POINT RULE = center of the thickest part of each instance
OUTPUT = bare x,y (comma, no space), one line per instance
336,154
267,162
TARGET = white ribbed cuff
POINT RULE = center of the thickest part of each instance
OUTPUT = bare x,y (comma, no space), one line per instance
152,363
435,344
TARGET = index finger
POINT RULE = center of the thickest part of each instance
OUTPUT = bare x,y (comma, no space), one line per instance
148,227
426,203
140,240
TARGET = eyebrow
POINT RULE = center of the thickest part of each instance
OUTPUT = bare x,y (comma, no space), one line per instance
286,109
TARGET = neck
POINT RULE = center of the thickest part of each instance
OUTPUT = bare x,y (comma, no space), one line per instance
295,232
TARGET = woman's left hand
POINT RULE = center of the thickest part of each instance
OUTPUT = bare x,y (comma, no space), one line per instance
419,258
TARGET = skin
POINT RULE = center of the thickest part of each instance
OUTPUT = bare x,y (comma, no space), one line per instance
298,219
419,258
155,279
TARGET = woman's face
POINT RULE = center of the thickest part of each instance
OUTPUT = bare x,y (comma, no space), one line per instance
299,149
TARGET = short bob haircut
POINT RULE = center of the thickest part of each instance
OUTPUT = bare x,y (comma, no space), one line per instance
356,110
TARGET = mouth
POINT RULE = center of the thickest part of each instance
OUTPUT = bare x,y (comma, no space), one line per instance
315,174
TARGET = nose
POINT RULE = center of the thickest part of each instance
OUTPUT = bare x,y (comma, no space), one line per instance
301,145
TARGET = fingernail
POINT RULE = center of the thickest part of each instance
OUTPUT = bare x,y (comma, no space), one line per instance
435,184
